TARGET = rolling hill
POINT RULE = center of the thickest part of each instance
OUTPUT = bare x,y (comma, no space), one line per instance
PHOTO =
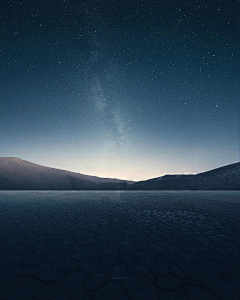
223,178
18,174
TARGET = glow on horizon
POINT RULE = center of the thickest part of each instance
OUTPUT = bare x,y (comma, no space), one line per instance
109,92
139,173
127,169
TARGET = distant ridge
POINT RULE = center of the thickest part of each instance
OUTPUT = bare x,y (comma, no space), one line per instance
223,178
18,174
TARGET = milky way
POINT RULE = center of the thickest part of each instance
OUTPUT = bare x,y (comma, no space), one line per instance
130,90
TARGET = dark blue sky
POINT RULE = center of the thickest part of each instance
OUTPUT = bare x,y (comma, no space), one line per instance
124,89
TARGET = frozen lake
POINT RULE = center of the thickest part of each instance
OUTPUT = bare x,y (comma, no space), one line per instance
120,245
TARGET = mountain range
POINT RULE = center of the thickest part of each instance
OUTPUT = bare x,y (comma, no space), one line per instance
18,174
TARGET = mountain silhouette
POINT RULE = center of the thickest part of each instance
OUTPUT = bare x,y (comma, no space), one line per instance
18,174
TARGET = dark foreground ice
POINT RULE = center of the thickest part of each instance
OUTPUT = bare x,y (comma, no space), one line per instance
120,245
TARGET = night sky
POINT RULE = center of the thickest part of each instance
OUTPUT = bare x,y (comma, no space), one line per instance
121,89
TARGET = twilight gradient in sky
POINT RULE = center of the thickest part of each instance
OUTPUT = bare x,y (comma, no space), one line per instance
124,89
